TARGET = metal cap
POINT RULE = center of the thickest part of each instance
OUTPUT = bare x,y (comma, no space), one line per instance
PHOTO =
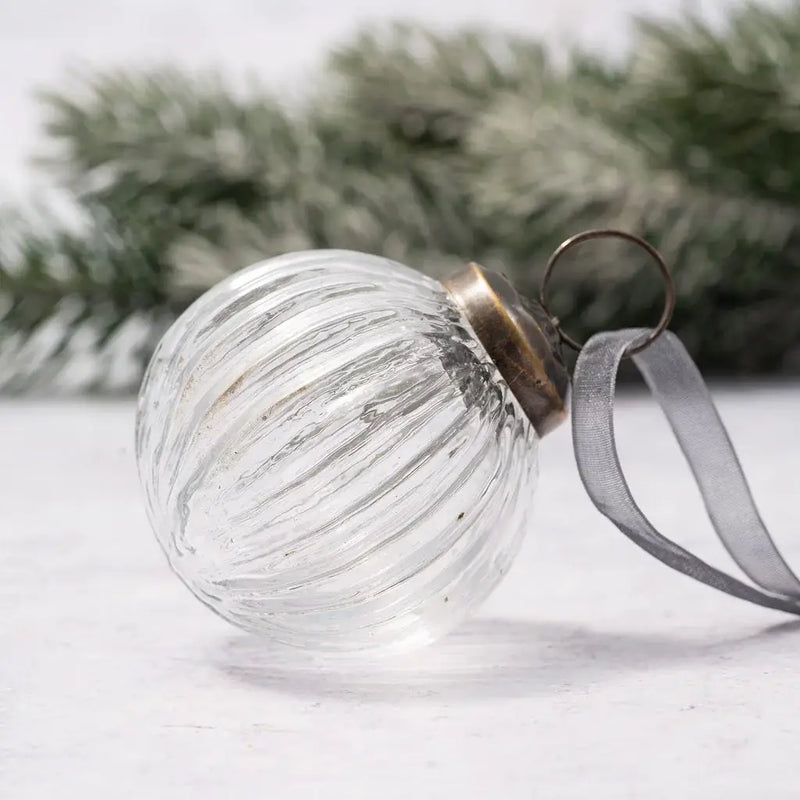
519,338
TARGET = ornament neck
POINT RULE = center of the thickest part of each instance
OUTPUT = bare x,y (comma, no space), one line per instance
520,339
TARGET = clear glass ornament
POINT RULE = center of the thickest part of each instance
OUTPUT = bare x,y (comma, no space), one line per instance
329,455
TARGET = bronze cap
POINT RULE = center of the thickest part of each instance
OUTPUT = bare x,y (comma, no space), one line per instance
519,338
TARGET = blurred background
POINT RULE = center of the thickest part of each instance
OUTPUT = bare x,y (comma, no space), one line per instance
149,148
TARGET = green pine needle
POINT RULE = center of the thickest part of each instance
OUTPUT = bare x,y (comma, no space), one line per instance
432,149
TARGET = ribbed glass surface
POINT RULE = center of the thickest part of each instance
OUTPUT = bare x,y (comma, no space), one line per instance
328,455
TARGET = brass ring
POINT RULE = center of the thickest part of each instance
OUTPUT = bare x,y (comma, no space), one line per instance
669,284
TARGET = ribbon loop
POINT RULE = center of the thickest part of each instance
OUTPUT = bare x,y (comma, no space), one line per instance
680,390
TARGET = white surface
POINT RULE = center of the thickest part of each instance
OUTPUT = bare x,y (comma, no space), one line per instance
276,40
593,672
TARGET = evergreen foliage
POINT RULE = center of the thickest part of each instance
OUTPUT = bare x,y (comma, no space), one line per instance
433,149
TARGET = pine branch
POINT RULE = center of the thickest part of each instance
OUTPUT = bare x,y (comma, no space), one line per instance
726,103
68,295
551,171
432,149
306,179
426,88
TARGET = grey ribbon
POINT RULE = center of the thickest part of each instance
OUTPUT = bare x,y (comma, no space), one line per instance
678,386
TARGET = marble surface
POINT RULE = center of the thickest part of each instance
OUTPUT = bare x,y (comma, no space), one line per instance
592,672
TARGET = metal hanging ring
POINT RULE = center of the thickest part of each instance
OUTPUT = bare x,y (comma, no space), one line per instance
610,233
